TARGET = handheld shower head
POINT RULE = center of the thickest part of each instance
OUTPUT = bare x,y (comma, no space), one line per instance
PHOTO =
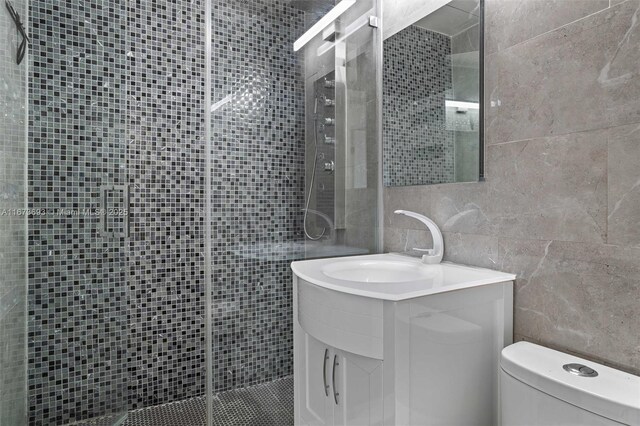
313,176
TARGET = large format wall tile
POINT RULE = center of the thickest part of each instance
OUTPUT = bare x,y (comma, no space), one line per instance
514,21
624,186
583,297
470,249
411,198
561,201
549,188
406,240
579,77
573,296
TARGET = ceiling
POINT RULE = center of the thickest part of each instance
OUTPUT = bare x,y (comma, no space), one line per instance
453,18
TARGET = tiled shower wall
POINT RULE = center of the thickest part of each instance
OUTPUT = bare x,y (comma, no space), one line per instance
116,97
418,148
78,324
561,200
166,163
12,222
258,174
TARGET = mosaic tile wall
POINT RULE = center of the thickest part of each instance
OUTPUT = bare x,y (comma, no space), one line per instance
77,145
258,170
418,149
116,97
166,163
12,225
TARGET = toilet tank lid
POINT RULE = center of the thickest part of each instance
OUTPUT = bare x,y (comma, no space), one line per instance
612,394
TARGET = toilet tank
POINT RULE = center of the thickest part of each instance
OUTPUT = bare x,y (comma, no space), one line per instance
535,389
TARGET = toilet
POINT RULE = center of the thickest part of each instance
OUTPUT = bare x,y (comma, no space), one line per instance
543,387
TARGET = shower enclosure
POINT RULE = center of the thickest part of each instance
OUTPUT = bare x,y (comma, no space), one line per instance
156,172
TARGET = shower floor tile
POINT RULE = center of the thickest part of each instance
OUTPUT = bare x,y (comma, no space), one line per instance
261,405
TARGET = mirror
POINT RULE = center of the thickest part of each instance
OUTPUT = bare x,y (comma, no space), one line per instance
432,92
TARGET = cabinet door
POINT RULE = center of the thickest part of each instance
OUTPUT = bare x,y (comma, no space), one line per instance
314,391
357,382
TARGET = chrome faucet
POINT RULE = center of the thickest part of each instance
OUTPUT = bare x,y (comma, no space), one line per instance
435,254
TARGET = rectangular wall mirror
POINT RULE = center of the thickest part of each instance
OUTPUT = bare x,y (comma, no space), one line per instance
432,92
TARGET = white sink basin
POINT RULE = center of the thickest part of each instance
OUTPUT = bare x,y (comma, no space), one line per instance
392,276
377,271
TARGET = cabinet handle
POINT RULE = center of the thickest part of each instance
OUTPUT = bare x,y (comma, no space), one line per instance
324,372
333,379
103,211
127,216
105,230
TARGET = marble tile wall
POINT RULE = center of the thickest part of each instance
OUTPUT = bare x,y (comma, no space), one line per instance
12,222
561,203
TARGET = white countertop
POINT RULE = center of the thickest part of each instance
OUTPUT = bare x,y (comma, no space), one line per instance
433,279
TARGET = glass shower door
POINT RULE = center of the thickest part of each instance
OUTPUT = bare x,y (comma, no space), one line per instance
78,234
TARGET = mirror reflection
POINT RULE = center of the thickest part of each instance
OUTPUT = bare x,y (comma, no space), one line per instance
431,92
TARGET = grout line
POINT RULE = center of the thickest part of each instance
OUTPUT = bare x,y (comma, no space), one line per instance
595,129
554,29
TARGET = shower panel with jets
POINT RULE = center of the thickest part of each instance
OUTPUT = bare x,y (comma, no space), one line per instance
342,80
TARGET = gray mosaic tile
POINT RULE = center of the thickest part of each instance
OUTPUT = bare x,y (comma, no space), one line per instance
117,98
258,170
77,292
166,164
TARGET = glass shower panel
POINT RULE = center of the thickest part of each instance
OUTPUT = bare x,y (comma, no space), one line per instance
257,178
358,70
13,78
342,75
78,239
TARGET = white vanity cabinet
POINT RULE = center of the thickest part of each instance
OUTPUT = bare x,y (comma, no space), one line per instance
337,358
416,352
313,382
336,387
359,381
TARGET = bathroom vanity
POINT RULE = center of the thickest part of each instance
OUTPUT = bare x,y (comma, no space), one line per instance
388,340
